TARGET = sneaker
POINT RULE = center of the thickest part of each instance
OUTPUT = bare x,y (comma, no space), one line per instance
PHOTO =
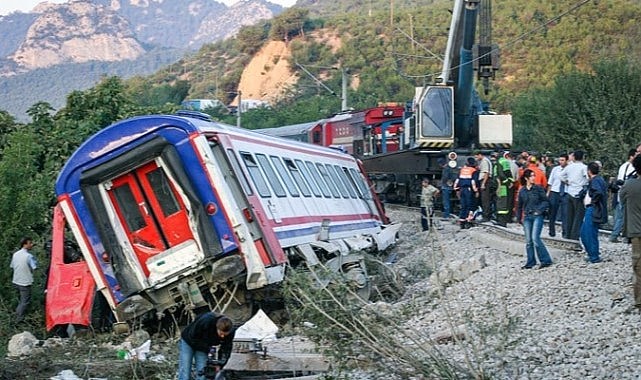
543,266
526,267
613,240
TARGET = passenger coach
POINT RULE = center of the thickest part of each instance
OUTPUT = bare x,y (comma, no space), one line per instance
176,212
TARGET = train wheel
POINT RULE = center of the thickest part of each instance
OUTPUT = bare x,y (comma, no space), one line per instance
356,276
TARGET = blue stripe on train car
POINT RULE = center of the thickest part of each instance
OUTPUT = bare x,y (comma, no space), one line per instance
296,232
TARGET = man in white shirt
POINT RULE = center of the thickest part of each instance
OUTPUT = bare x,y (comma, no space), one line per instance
23,264
558,198
626,171
575,178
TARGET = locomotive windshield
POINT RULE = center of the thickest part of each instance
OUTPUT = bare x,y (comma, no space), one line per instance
436,112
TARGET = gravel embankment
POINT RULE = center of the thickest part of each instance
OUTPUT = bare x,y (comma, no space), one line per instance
572,320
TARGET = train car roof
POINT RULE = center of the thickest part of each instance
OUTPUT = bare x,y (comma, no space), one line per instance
288,130
109,142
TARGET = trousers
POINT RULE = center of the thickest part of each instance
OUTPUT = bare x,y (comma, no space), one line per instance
636,269
575,214
24,299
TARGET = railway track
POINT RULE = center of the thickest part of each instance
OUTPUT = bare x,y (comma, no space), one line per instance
511,232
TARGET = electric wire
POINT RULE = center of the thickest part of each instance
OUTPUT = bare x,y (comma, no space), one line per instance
520,38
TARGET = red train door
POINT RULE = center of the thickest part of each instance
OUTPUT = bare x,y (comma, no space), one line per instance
153,215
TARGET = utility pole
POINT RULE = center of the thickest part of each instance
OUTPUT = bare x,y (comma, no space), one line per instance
239,109
344,72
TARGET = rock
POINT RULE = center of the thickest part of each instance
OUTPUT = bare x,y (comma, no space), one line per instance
458,270
455,334
22,344
138,337
66,374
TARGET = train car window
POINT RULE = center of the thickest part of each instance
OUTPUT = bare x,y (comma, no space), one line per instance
349,185
316,137
298,177
309,177
272,177
239,173
358,179
284,175
328,180
337,181
130,210
163,192
255,174
317,178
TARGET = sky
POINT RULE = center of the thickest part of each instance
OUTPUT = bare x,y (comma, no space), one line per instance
8,6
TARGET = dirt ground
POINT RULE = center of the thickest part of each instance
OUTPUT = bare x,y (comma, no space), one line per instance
268,76
90,356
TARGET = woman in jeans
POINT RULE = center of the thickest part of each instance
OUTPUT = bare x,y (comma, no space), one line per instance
532,204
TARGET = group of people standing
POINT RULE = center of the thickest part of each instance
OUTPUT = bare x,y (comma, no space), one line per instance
525,189
484,185
521,188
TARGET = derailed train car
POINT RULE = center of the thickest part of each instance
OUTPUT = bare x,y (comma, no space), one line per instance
176,212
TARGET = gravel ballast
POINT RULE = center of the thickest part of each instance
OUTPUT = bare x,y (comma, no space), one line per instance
573,320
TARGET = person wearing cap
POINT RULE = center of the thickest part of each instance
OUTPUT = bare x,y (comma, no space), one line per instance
207,330
485,184
466,185
447,182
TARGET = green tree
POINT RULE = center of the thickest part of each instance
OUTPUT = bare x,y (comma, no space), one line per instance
24,205
250,38
7,125
597,112
289,24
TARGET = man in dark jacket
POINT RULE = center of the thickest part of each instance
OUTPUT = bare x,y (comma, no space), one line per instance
207,330
596,212
630,196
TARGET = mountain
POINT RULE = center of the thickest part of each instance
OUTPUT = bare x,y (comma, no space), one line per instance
106,35
76,32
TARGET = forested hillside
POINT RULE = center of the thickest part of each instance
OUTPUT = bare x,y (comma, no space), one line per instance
387,58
